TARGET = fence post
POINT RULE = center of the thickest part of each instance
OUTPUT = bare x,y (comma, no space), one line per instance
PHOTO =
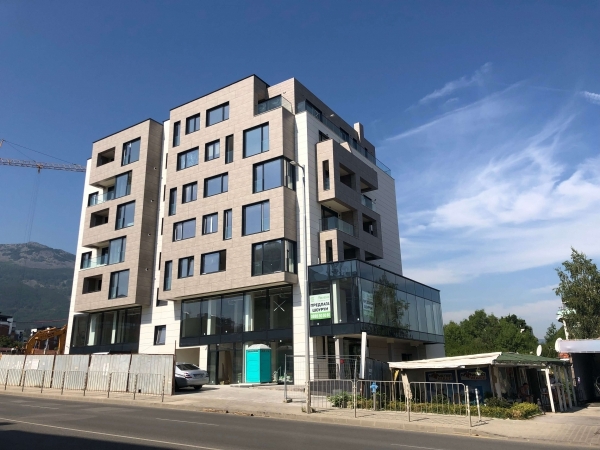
285,399
135,385
468,406
85,382
62,385
478,408
43,378
163,389
109,380
23,378
355,399
6,379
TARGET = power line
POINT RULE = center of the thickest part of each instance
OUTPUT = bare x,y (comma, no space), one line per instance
32,150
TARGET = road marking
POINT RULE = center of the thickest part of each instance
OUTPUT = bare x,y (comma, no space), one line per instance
43,407
185,421
414,446
109,434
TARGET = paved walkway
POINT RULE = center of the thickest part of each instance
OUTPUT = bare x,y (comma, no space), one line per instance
580,427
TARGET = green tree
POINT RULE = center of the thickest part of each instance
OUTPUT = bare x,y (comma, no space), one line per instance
7,341
579,289
483,333
552,334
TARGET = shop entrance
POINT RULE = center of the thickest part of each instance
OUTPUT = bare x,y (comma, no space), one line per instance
225,363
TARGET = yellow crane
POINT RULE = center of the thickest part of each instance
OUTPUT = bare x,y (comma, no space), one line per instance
43,335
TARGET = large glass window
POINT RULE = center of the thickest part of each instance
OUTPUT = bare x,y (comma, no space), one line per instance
184,230
122,185
119,284
210,223
256,140
273,256
131,152
211,311
232,314
212,151
172,201
160,334
190,319
116,250
168,275
256,311
280,308
187,159
274,173
190,192
217,114
176,133
125,215
213,262
227,224
80,324
229,149
256,218
192,124
186,267
216,185
86,260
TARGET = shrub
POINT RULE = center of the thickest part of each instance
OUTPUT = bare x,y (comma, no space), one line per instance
341,400
497,403
523,410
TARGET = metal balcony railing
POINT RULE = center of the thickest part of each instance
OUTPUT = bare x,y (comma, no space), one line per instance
366,201
274,103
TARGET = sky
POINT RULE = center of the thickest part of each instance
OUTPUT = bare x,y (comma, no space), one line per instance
486,112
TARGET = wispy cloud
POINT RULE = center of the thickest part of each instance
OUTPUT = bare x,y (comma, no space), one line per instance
454,85
591,97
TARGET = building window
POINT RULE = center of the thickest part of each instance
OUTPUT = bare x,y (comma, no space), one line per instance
213,150
190,192
119,284
86,260
274,173
345,136
216,185
172,201
121,188
210,223
125,214
92,284
323,137
187,159
131,152
160,334
168,275
256,218
326,182
192,124
116,250
369,225
184,230
229,149
186,267
176,133
218,114
227,224
213,262
273,256
106,157
256,140
329,250
99,218
93,199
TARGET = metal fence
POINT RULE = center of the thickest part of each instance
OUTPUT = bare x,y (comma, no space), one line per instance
93,381
449,399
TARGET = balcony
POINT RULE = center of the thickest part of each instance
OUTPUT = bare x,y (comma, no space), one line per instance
273,103
341,134
103,260
98,199
366,201
335,223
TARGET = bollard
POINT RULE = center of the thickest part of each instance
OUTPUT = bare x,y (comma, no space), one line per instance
478,408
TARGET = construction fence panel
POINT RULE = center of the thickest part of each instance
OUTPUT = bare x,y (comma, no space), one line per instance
376,395
146,365
109,363
97,381
13,377
448,399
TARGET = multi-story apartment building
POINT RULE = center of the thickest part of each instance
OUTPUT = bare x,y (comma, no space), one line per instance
192,238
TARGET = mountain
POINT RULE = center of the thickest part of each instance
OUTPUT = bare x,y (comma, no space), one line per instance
35,284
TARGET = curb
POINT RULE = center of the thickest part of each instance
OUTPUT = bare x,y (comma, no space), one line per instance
315,417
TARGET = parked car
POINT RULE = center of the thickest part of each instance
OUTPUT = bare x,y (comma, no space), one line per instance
189,375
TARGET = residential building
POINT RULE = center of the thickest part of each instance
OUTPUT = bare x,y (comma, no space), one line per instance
6,325
192,238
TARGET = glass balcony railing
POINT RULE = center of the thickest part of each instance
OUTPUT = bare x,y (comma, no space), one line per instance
366,201
103,260
98,199
335,223
273,103
342,135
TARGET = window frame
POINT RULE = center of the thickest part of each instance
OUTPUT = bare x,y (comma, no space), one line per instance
182,223
129,153
262,140
111,286
262,217
184,154
205,220
284,258
211,145
194,192
168,276
225,112
172,202
196,119
227,214
189,261
287,177
124,206
222,262
229,149
176,134
160,331
222,176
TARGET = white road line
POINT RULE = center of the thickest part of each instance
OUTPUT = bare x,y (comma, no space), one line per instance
414,446
185,421
43,407
108,434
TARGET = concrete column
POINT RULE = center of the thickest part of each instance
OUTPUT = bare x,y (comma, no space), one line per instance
549,390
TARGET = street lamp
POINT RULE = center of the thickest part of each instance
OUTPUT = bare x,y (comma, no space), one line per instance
306,296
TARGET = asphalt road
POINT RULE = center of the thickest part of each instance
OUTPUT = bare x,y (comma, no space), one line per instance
67,425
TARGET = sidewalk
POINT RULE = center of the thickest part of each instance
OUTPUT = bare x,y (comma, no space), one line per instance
581,427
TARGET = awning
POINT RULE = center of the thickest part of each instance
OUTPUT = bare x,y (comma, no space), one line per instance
579,346
481,359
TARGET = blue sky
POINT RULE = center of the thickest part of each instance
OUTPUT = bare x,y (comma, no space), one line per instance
487,112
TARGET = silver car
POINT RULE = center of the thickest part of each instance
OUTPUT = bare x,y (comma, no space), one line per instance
189,375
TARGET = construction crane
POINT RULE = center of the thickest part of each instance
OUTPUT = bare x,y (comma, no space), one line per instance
44,335
40,165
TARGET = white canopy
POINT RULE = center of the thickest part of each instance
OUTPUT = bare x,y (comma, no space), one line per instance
451,362
578,346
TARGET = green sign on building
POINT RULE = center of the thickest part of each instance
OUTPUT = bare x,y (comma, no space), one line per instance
320,306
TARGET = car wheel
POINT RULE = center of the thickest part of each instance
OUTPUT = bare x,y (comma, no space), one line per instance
197,387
